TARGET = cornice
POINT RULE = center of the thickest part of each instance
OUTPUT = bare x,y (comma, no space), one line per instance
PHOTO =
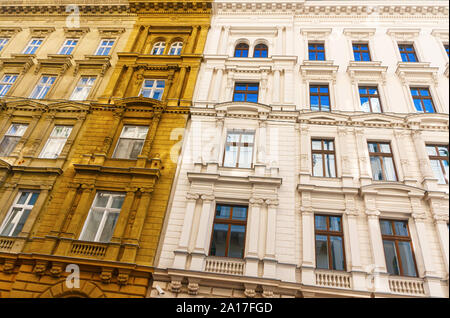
61,7
171,7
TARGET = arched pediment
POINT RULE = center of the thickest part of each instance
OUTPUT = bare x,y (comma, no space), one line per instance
324,116
393,187
69,107
230,107
428,118
377,118
138,102
4,165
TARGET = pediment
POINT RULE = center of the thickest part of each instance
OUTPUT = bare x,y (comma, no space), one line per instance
26,105
428,120
239,107
4,165
393,188
324,116
139,102
69,107
378,118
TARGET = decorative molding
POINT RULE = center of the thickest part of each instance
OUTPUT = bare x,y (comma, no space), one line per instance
359,34
402,34
41,31
9,31
441,34
76,32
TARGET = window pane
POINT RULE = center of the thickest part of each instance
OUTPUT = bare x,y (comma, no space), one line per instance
117,202
373,147
52,148
330,166
438,173
108,229
316,144
386,227
365,104
21,222
418,105
8,145
321,252
239,213
223,212
237,241
376,107
233,137
101,200
23,197
317,165
33,199
245,157
443,151
230,156
407,259
11,221
219,240
391,257
401,228
252,98
337,253
92,226
389,169
335,223
428,104
321,222
136,148
431,150
328,145
377,173
247,138
385,148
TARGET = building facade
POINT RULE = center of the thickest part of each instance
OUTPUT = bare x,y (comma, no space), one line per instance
315,160
89,152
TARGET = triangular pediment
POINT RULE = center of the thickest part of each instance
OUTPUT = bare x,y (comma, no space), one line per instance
69,107
26,105
378,118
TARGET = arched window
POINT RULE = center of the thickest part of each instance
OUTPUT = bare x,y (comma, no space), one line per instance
241,50
158,48
175,48
261,50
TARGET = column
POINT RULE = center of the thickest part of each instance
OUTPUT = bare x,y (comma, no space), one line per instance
182,251
125,80
76,128
224,44
270,263
201,39
124,215
428,178
141,214
441,225
305,145
361,147
279,49
192,38
202,241
402,137
65,208
252,237
262,144
181,77
276,86
229,88
308,237
217,84
205,83
82,210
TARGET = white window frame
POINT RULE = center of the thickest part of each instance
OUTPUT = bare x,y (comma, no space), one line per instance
241,132
130,138
152,89
159,47
67,46
44,82
106,211
102,47
85,88
33,47
5,85
18,136
19,215
177,47
52,136
3,42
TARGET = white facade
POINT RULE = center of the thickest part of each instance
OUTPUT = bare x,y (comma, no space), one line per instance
280,190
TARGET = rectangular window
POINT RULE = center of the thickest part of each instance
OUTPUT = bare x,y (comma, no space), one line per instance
33,46
239,149
228,235
42,88
153,88
56,142
102,218
246,92
6,83
382,161
329,242
361,52
11,139
3,42
438,155
68,47
319,97
316,51
398,248
323,158
408,53
105,47
370,99
422,99
130,142
84,86
18,214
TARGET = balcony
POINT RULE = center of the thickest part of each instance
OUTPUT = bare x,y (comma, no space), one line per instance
97,250
10,244
224,266
407,286
333,279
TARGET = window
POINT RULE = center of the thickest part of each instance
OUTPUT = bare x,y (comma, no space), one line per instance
323,158
246,92
319,97
239,149
152,89
84,86
382,162
261,50
18,214
6,83
241,50
228,237
68,46
12,138
397,248
361,52
175,48
42,88
445,47
422,99
158,48
438,155
329,242
105,47
102,218
33,46
370,99
56,142
130,142
316,51
3,42
407,53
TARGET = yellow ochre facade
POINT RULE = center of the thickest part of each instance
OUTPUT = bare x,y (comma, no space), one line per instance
92,117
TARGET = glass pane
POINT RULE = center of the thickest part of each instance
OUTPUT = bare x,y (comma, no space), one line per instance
414,92
33,199
92,226
321,56
376,106
247,138
443,151
407,259
431,150
11,221
21,223
238,97
377,173
239,213
223,212
233,137
324,89
317,165
438,173
373,147
321,222
230,156
391,257
424,92
401,228
136,148
219,240
389,169
245,157
418,105
23,197
365,104
52,149
337,253
117,202
101,200
316,144
108,229
321,252
237,241
61,131
330,166
252,98
385,148
386,227
129,131
328,145
428,104
8,145
366,57
335,223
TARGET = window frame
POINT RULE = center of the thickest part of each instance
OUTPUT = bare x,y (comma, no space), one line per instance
439,158
382,155
5,84
153,88
110,47
421,98
329,233
36,47
360,51
229,222
240,131
159,47
323,153
397,238
316,51
369,96
261,47
4,43
172,46
73,47
246,92
9,135
77,85
319,94
113,156
414,51
44,85
241,47
50,137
